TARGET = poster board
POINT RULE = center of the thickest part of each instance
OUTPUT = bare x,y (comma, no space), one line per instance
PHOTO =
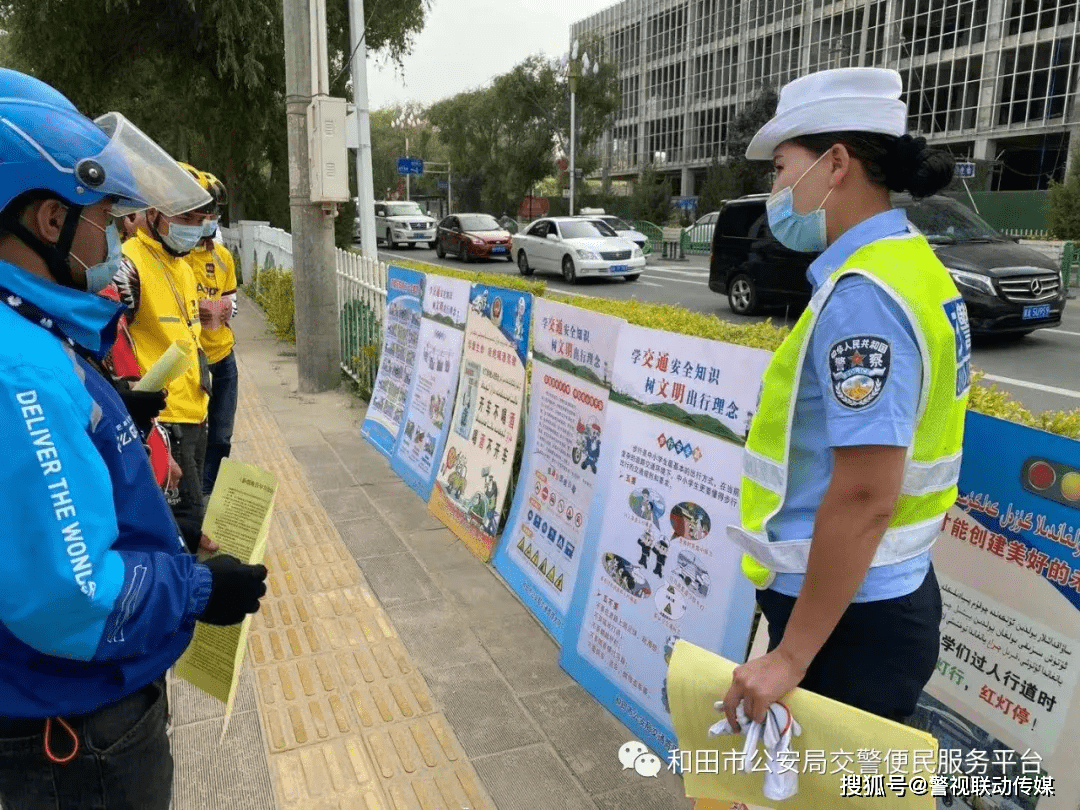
544,540
474,473
430,400
401,329
661,567
1008,562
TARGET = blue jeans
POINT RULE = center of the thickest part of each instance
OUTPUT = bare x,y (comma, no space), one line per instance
123,762
220,416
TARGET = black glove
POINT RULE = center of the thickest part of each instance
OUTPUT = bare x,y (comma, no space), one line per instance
144,406
236,590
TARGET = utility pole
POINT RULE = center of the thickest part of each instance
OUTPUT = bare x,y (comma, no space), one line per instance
365,183
318,346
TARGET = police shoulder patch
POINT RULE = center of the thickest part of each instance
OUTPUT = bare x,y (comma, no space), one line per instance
859,367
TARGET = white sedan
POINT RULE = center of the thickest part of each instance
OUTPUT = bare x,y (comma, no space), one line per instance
576,247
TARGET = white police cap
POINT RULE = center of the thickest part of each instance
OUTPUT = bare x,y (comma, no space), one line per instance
841,100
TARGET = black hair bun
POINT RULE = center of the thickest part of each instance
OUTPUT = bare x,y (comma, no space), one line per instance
917,168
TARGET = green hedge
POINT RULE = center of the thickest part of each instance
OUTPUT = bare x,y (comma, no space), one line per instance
273,291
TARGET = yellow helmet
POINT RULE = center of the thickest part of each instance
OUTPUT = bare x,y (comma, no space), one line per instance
217,190
204,180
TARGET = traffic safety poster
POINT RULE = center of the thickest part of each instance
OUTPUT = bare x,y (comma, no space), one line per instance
431,397
474,473
401,329
660,566
543,542
1004,701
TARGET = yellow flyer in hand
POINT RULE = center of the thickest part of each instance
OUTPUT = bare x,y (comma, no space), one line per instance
170,366
237,519
833,751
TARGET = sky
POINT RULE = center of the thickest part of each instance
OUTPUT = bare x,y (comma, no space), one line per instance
466,43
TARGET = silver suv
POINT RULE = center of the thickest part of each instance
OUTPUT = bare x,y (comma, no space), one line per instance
403,222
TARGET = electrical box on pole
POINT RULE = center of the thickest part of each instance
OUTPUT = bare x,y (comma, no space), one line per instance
327,150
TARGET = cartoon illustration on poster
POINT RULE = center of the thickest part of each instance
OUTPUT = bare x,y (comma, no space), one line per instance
474,473
1004,697
543,543
431,398
401,330
659,566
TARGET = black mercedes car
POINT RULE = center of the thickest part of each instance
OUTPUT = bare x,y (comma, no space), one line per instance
1008,288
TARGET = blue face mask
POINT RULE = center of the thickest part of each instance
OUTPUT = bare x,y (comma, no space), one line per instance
209,227
802,232
99,275
182,238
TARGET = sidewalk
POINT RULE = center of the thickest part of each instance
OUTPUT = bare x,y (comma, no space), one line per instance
388,669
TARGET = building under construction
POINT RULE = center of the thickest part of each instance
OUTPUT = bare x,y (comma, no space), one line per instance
993,80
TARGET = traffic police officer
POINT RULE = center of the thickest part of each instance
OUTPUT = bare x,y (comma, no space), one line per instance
854,453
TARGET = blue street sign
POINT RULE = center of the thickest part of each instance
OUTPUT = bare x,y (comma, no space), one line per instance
407,165
686,203
443,185
965,170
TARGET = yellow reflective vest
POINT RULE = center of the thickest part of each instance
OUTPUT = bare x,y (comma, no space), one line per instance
162,295
215,277
907,270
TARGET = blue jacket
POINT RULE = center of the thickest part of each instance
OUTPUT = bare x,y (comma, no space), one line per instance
98,596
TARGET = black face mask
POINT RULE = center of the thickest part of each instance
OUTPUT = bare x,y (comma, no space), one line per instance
54,256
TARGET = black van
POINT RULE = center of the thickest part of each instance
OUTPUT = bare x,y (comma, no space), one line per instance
1008,288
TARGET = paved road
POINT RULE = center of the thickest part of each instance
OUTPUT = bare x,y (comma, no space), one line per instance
1041,370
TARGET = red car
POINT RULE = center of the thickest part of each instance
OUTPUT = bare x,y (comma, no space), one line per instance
473,236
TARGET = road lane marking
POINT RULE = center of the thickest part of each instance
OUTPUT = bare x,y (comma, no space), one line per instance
1048,389
674,272
683,281
1061,332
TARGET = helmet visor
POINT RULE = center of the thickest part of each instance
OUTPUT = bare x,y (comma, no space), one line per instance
140,173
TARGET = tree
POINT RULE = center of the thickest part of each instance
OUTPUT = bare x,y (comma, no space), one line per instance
651,200
205,78
739,176
1064,203
714,189
503,139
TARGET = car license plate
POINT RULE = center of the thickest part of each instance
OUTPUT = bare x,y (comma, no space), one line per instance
619,268
498,250
418,236
1034,313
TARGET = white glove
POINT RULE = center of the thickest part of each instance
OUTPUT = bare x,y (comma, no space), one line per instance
751,729
781,778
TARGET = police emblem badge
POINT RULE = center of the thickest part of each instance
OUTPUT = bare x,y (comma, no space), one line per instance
860,368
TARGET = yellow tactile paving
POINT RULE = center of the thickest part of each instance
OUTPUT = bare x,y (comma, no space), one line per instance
348,720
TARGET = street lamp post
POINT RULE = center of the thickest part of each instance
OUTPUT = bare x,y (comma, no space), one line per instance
576,68
407,121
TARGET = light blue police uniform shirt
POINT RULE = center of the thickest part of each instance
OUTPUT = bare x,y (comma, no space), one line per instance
857,308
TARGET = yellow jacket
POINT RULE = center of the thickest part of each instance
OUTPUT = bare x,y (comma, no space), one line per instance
161,295
215,277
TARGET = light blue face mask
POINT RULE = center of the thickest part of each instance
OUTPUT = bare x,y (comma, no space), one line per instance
99,275
182,238
209,227
802,232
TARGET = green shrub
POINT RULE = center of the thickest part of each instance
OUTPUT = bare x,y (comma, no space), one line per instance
272,289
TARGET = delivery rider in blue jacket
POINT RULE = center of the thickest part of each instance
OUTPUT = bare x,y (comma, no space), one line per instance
853,456
98,596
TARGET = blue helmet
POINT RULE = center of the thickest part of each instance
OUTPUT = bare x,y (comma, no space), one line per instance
47,144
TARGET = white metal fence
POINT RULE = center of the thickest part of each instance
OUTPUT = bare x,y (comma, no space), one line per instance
361,291
361,285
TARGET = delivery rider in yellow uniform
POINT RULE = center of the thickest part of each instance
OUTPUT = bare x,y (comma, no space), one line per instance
854,453
158,286
215,283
